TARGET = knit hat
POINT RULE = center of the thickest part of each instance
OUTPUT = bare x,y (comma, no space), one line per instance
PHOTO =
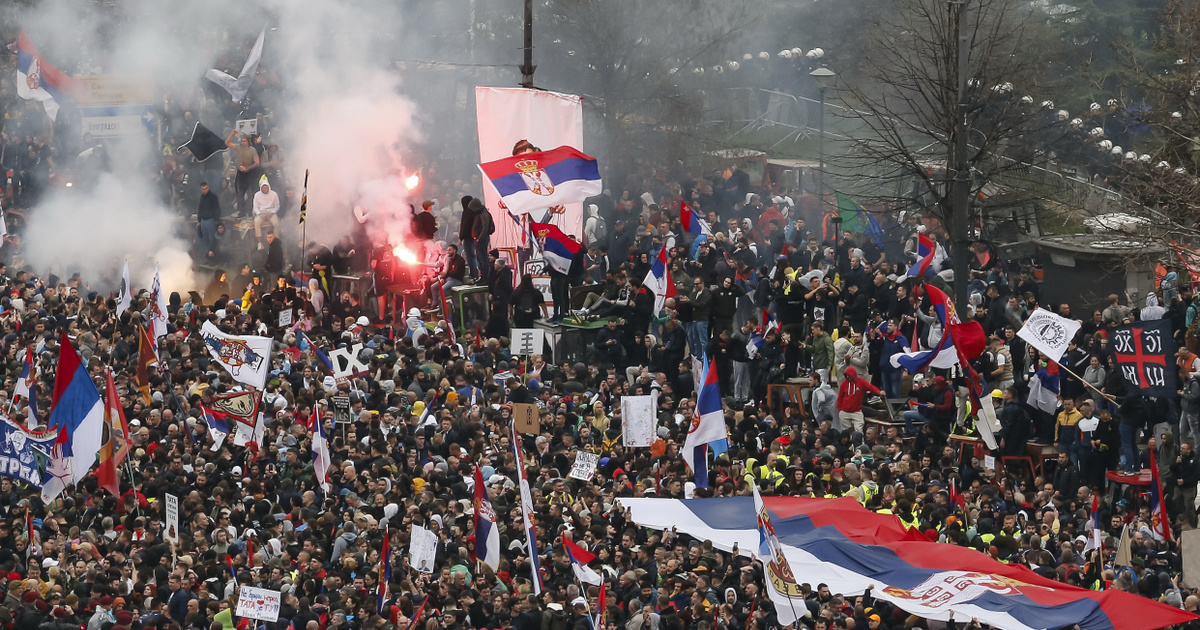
123,617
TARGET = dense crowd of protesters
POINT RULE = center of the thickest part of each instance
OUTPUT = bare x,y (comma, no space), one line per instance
433,408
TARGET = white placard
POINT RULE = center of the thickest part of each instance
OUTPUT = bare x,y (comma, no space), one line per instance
285,317
172,509
637,418
423,550
989,462
527,341
247,126
346,364
258,603
585,466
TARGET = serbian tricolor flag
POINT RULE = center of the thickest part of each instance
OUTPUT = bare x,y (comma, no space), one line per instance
39,80
658,280
558,249
218,425
532,182
77,416
942,355
26,388
708,427
929,258
1160,524
840,543
487,531
691,221
579,562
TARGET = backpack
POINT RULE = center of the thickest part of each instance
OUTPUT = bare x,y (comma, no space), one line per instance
985,364
484,225
601,229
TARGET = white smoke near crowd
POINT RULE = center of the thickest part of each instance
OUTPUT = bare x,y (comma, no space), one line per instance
346,121
350,125
93,234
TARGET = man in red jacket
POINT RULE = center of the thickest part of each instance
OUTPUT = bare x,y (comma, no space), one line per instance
850,399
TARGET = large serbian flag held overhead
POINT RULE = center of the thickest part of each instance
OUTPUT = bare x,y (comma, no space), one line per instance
840,543
533,182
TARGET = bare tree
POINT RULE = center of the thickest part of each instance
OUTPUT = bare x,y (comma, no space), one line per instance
639,63
1159,175
938,113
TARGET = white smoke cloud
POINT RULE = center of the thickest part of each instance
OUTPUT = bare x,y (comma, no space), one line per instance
94,233
349,120
344,117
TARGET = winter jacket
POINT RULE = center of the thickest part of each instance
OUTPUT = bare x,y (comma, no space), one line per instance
822,352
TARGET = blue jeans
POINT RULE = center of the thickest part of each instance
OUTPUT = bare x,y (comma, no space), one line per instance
482,246
891,382
208,237
468,252
697,336
436,294
1128,447
910,416
1072,449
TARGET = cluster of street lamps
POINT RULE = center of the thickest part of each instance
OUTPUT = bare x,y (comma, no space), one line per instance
733,65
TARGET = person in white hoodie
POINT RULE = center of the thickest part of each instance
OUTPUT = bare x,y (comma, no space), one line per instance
266,209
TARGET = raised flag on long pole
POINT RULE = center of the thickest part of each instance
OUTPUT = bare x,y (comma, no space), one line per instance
1160,523
77,417
526,510
304,200
125,295
158,310
114,446
320,449
147,356
26,388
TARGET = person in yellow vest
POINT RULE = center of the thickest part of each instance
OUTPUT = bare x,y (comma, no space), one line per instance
767,471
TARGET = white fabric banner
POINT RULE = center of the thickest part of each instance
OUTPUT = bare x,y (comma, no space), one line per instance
247,358
546,119
1049,333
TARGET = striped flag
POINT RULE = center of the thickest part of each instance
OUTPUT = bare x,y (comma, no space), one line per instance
320,449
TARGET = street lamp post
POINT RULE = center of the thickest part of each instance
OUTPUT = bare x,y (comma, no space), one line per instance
824,78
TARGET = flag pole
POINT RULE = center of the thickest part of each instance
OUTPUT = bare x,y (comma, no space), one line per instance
1089,385
303,220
